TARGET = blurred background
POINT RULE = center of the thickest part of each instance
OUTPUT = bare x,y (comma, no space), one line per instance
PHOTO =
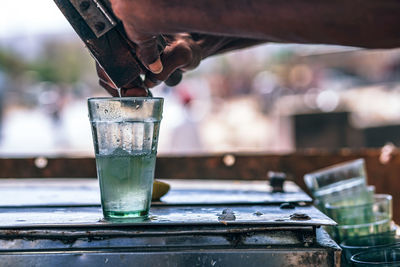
271,98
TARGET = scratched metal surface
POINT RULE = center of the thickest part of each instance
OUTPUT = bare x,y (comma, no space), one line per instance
145,238
161,215
70,192
234,192
59,223
289,257
223,246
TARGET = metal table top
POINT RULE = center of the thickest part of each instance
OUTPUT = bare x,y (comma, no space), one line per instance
162,215
75,203
70,192
60,223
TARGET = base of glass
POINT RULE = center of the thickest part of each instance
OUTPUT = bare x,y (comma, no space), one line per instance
122,215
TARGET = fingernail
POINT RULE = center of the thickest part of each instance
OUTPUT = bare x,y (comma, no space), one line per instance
156,67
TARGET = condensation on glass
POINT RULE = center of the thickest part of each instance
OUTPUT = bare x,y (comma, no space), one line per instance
125,136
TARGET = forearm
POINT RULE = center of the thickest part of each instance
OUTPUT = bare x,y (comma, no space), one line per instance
213,45
365,23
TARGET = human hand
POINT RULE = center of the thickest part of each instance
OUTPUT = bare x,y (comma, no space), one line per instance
183,52
141,29
135,88
145,20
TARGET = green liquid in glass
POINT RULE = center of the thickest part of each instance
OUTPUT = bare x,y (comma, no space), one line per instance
126,183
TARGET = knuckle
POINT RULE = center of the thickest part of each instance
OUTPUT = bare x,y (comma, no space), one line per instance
184,52
148,54
189,54
158,78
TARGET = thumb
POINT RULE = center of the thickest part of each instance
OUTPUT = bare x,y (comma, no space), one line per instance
146,49
147,52
145,41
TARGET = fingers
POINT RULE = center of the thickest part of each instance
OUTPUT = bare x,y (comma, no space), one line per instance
151,80
133,92
125,92
147,52
146,49
135,18
179,55
174,79
135,88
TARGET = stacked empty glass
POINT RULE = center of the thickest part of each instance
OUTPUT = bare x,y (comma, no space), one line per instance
341,191
370,248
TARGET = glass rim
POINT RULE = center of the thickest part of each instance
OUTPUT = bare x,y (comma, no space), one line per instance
312,179
388,248
124,98
368,237
348,227
381,198
334,167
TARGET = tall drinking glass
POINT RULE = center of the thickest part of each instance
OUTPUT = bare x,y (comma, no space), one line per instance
125,136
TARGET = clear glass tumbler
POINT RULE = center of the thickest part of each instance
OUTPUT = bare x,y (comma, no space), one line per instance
346,214
336,178
383,257
125,136
359,244
346,182
362,220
